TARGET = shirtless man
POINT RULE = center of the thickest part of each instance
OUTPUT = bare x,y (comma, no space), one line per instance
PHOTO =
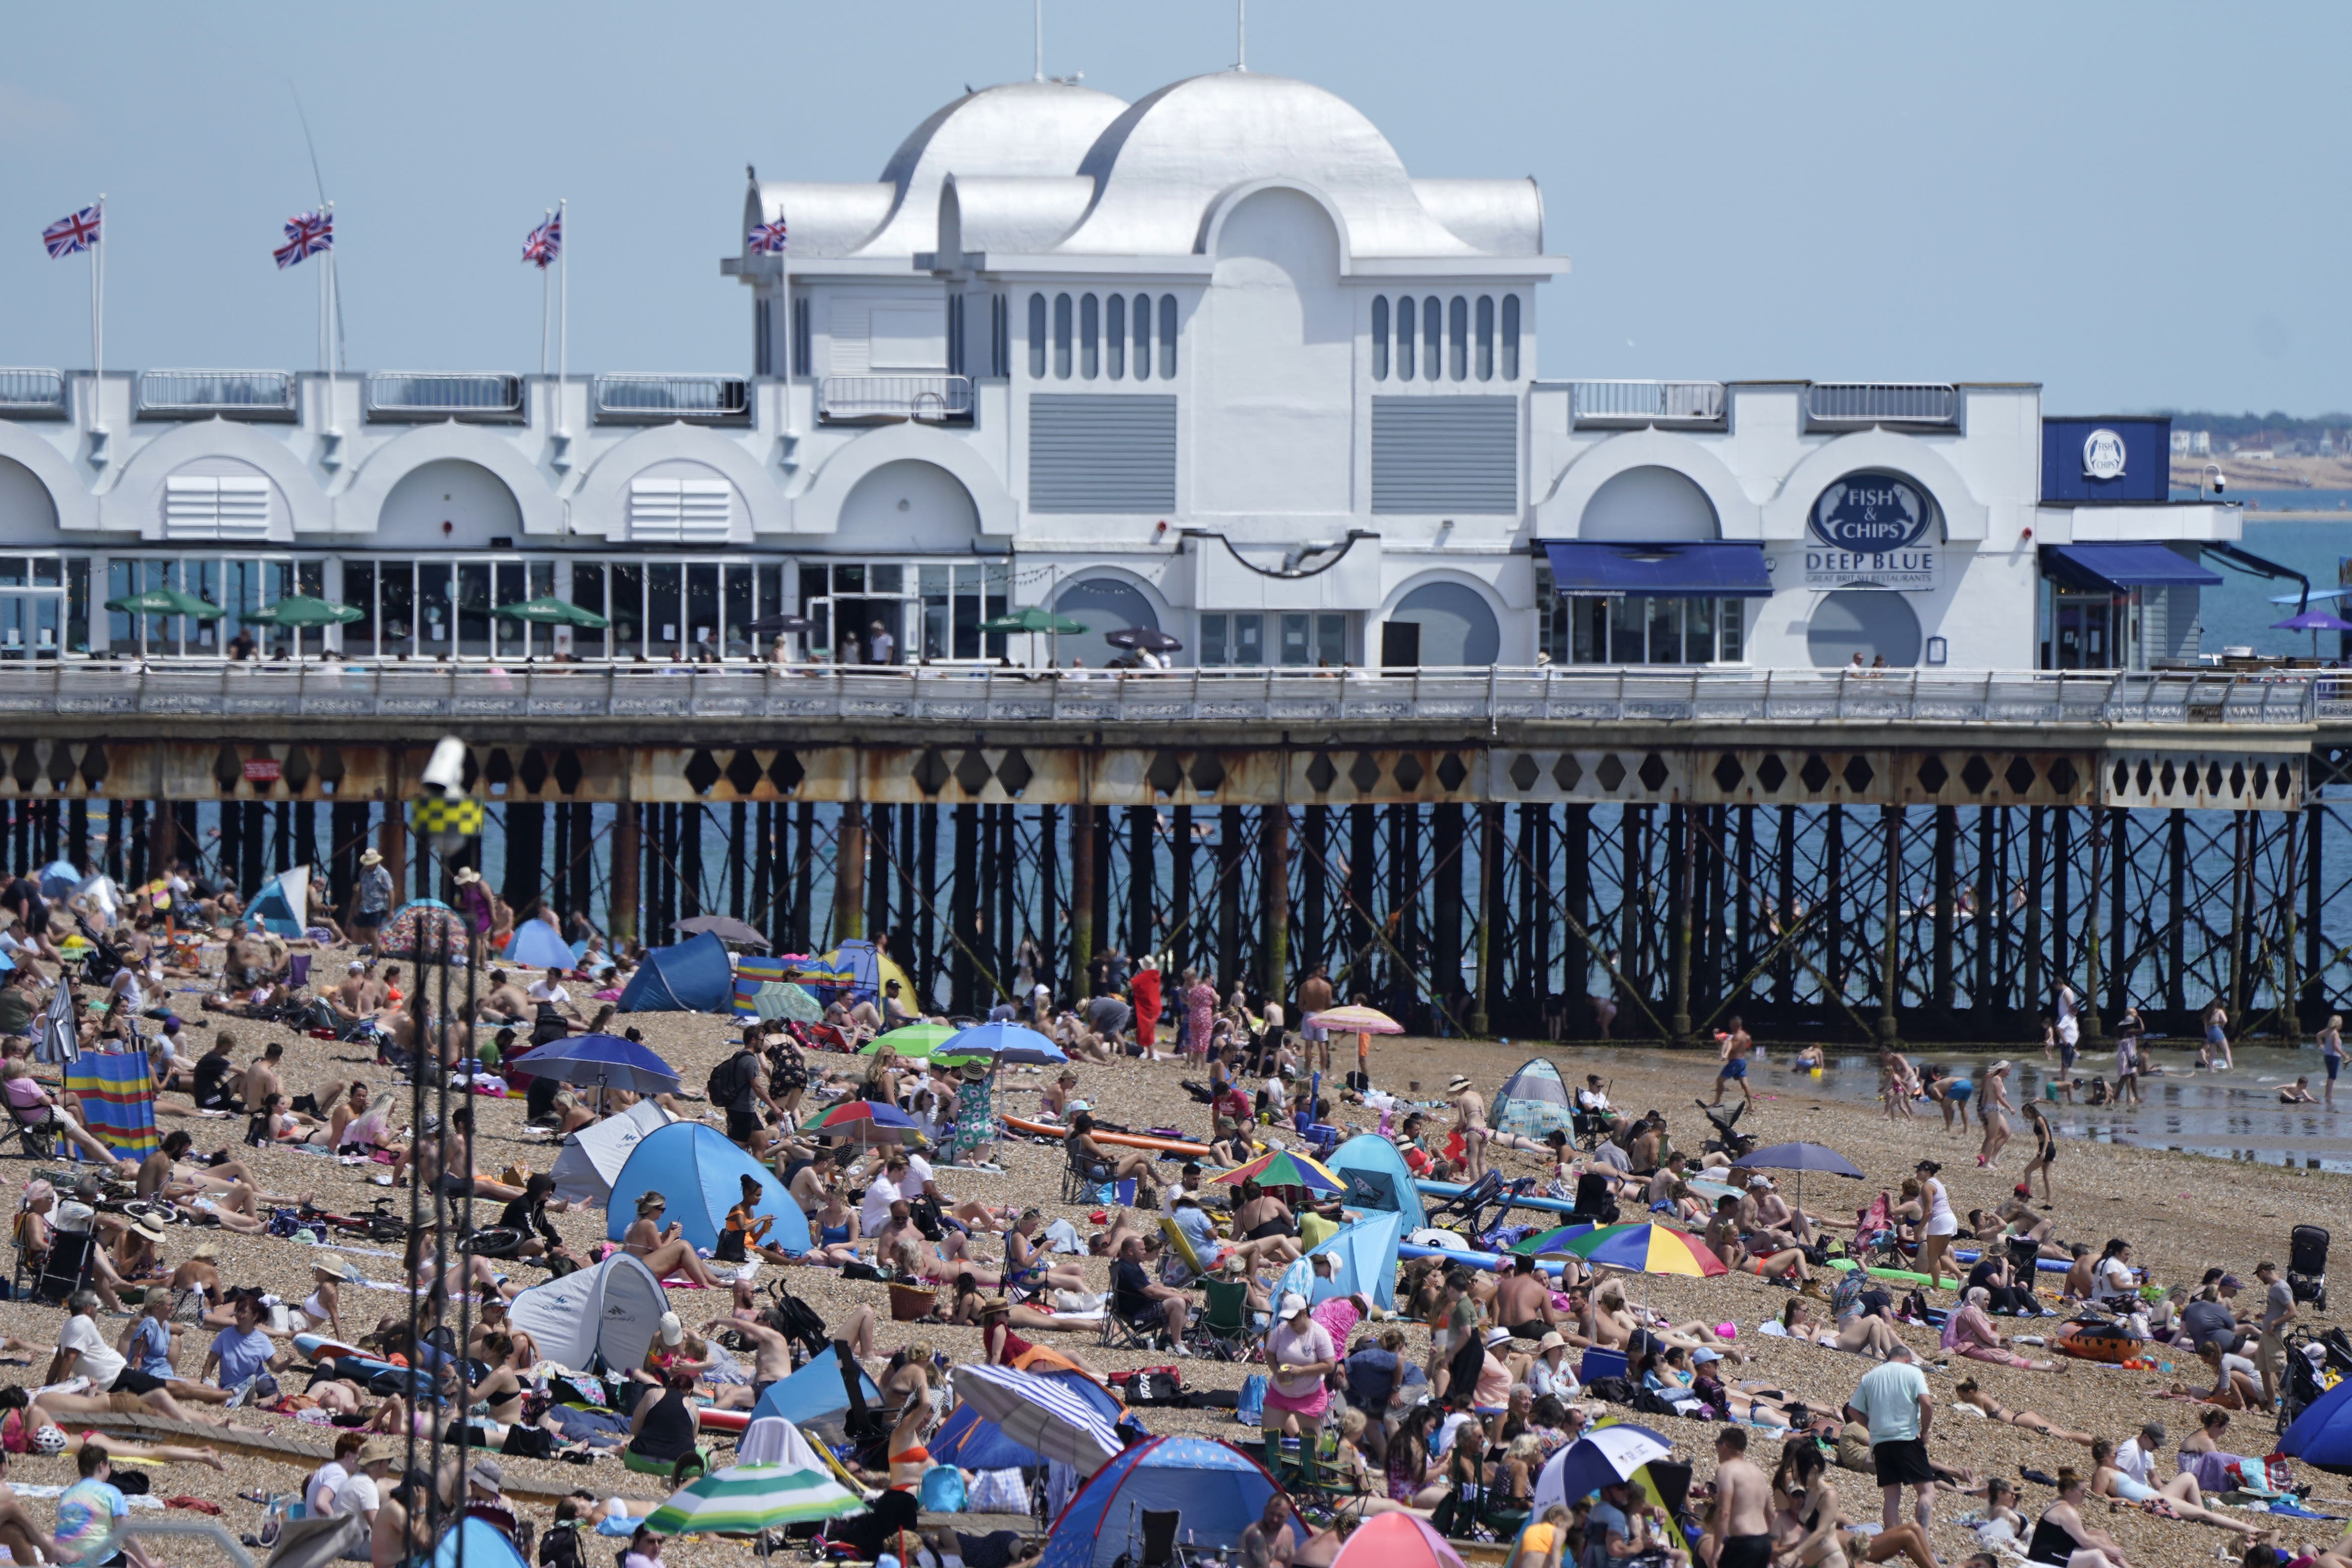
771,1352
1470,1121
356,997
261,1078
1738,1525
507,1003
809,1184
1736,1046
1523,1301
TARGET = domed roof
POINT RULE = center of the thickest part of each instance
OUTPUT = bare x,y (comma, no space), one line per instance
1161,166
1018,128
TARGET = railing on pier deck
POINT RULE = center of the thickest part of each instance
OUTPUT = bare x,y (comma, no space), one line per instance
979,693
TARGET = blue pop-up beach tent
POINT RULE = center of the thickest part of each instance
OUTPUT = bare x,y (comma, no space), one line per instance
1219,1490
694,977
1367,1255
702,1173
535,944
2322,1435
816,1399
1377,1178
282,906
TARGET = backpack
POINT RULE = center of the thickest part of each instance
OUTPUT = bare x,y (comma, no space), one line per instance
725,1082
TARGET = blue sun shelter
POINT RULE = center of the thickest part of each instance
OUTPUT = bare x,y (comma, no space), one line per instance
1219,1490
820,1397
694,977
2322,1435
1366,1252
1377,1179
535,944
1533,1101
700,1172
282,906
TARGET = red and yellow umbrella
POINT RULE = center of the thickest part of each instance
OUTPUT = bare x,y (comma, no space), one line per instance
1644,1248
1285,1169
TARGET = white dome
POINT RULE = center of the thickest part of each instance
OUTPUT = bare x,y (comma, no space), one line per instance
1020,128
1161,167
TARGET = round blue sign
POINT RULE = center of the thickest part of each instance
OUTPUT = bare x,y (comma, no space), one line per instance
1873,512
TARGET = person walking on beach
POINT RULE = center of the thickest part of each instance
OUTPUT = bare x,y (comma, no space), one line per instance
1894,1087
1892,1401
1736,1046
2128,1063
2331,1052
1939,1225
1470,1121
2069,1024
2215,1053
2045,1153
1992,1114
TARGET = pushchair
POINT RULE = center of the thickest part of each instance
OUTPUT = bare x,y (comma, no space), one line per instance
2306,1265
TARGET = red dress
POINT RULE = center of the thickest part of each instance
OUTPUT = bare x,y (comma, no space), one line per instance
1145,988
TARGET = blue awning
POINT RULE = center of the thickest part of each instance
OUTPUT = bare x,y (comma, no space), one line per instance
2119,567
1660,571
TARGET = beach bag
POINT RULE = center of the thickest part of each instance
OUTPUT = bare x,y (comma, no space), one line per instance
942,1490
1151,1385
1251,1405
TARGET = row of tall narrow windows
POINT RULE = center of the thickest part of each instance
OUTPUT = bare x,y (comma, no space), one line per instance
1097,337
1452,339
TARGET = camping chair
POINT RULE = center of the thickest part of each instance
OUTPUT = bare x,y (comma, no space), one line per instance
1585,1127
1076,1185
66,1270
1121,1333
35,1136
1224,1330
1182,1245
1157,1548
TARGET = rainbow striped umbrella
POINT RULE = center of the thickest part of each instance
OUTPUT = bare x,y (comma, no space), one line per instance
1645,1248
1552,1243
1285,1169
866,1120
742,1499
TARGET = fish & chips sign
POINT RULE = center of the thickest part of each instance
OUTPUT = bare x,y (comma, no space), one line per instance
1872,530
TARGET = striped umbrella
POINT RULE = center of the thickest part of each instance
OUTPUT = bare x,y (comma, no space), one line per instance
1039,1413
1645,1248
1355,1020
1552,1243
1284,1168
743,1499
865,1120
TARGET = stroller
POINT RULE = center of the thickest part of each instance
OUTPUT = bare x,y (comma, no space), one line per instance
2306,1265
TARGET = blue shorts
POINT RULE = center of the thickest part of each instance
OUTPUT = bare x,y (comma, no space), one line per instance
1959,1091
2213,1036
1735,1067
2333,1064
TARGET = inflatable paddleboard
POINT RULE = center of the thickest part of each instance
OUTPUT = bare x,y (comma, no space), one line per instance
1122,1139
1455,1190
1486,1262
319,1348
724,1420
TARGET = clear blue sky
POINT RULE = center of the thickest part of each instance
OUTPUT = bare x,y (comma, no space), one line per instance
2138,205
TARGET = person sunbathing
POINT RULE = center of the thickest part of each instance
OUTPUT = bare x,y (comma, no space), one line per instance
1967,1392
2178,1497
665,1252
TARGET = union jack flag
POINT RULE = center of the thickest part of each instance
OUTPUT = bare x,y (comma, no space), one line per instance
306,234
545,243
68,234
768,239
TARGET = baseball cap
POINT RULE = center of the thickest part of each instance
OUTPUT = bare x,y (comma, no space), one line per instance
1293,1303
672,1331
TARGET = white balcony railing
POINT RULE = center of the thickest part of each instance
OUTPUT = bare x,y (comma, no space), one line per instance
1881,403
628,395
253,393
930,398
32,391
1598,403
442,393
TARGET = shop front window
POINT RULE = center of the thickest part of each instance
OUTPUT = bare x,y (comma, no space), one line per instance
1300,639
1632,629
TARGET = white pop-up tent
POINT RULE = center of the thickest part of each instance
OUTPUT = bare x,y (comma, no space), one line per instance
592,1157
612,1310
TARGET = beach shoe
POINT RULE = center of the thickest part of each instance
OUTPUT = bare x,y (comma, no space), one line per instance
2036,1477
238,1395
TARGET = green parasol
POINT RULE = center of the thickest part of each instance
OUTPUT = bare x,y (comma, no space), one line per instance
1034,618
299,610
918,1040
166,601
548,611
743,1499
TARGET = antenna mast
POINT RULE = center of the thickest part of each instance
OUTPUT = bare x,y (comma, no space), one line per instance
1038,73
1241,35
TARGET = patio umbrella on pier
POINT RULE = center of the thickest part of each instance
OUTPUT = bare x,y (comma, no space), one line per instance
1033,618
1143,639
2314,622
547,610
164,601
299,611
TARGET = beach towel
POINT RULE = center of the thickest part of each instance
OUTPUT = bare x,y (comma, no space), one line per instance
117,1092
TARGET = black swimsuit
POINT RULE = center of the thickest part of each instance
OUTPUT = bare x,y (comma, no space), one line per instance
2051,1543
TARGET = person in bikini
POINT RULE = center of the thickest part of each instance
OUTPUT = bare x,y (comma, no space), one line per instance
1967,1392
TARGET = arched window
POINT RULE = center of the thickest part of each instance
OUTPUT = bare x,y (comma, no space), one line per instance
1061,337
1380,337
1090,337
1168,337
1432,337
1404,337
1486,337
1037,336
1115,335
1143,337
1457,323
1510,337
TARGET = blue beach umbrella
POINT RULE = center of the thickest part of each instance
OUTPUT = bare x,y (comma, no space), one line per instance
1008,1043
605,1061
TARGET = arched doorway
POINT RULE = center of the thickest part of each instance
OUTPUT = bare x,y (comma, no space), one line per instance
1441,625
1104,605
1866,624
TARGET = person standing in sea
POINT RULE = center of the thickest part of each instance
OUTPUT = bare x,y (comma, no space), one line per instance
2331,1052
2070,1028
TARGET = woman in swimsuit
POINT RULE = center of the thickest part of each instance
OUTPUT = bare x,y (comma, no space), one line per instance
1992,1114
837,1230
1856,1331
2177,1498
1099,1166
1409,1478
1968,1393
1260,1215
322,1309
663,1251
2061,1538
1028,1270
1941,1226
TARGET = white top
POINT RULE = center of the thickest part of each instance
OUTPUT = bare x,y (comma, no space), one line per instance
326,1485
2112,1281
917,1177
1941,1221
544,991
2135,1461
101,1362
874,1210
1292,1347
358,1495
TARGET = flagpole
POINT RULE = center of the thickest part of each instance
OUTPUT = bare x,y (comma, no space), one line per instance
546,298
97,320
329,212
562,321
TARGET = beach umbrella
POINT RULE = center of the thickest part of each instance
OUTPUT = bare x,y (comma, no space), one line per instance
777,999
2314,622
425,928
1396,1541
606,1061
917,1040
865,1121
547,610
726,929
167,601
1285,1168
1602,1458
1033,618
299,610
743,1499
1645,1248
1142,639
1798,1157
1008,1043
1355,1020
1039,1413
1554,1242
